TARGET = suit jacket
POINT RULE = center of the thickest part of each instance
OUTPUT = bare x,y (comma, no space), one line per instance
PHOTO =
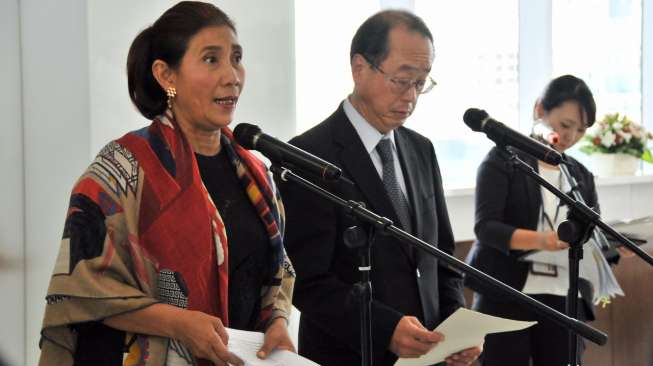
507,199
326,269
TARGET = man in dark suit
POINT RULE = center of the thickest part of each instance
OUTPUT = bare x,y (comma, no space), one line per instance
396,174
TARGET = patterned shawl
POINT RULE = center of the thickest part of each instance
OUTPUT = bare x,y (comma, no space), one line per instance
139,208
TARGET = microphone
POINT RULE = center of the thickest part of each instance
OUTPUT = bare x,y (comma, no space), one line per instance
543,133
478,120
252,138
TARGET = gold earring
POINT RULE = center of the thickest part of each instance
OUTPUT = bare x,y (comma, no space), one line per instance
171,92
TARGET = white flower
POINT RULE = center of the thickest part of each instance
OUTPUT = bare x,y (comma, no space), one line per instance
627,136
617,126
608,139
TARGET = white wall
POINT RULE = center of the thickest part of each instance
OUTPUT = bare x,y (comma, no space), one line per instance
265,30
621,198
64,96
56,137
12,314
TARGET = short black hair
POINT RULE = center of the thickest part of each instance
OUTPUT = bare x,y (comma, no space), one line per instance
371,38
167,40
569,88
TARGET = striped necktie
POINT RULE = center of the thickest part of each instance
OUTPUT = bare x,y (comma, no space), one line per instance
399,202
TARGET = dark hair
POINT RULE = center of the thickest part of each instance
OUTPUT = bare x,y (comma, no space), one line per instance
371,38
167,40
569,88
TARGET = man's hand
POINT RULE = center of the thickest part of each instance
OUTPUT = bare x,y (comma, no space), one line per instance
465,357
410,339
276,337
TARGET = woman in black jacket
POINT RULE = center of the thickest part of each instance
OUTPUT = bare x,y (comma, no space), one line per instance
514,215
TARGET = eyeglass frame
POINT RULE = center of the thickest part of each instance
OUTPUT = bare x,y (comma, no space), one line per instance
412,83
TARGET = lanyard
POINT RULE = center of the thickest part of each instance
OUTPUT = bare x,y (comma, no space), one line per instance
544,217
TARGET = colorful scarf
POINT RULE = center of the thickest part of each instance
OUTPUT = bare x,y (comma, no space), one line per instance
139,208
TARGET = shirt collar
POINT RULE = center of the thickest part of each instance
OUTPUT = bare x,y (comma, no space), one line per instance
368,134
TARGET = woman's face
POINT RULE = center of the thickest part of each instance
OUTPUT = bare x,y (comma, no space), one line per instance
209,80
567,120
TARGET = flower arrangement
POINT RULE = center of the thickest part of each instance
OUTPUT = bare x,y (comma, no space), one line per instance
616,134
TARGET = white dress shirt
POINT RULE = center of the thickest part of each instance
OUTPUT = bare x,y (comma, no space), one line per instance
371,137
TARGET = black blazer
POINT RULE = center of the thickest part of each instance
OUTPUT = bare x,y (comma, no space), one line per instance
326,268
507,199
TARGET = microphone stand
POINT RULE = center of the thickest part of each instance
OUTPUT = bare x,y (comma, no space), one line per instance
354,237
576,231
575,255
597,235
385,226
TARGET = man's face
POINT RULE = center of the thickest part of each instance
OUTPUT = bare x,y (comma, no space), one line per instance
376,96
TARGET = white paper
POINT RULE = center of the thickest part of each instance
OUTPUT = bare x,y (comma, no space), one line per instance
592,267
246,344
464,329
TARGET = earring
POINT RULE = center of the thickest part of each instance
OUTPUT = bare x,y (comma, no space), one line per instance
171,92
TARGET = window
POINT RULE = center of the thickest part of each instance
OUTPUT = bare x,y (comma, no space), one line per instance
600,42
323,33
476,65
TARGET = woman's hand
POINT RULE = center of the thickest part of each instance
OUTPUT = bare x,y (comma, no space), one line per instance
276,337
205,336
625,252
549,240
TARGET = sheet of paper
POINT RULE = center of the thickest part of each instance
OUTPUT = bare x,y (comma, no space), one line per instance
592,267
246,344
463,329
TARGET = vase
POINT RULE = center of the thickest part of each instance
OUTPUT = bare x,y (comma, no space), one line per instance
606,165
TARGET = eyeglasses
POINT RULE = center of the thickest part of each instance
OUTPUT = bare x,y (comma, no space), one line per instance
400,85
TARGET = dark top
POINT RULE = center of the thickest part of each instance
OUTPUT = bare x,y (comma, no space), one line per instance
327,269
249,245
508,199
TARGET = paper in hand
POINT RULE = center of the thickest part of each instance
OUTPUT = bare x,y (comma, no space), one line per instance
246,344
464,329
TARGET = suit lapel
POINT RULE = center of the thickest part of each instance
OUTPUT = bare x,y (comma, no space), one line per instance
427,265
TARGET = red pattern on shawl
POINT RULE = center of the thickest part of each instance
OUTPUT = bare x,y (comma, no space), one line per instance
175,220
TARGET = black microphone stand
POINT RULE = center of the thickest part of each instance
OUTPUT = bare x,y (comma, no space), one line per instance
576,230
575,255
597,235
385,226
355,238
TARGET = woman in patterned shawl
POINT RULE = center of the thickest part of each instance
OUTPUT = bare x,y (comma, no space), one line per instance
175,231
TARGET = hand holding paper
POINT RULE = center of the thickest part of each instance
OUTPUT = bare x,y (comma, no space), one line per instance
247,344
463,329
411,339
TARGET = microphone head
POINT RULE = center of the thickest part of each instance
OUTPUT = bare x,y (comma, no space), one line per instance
474,117
542,132
244,134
